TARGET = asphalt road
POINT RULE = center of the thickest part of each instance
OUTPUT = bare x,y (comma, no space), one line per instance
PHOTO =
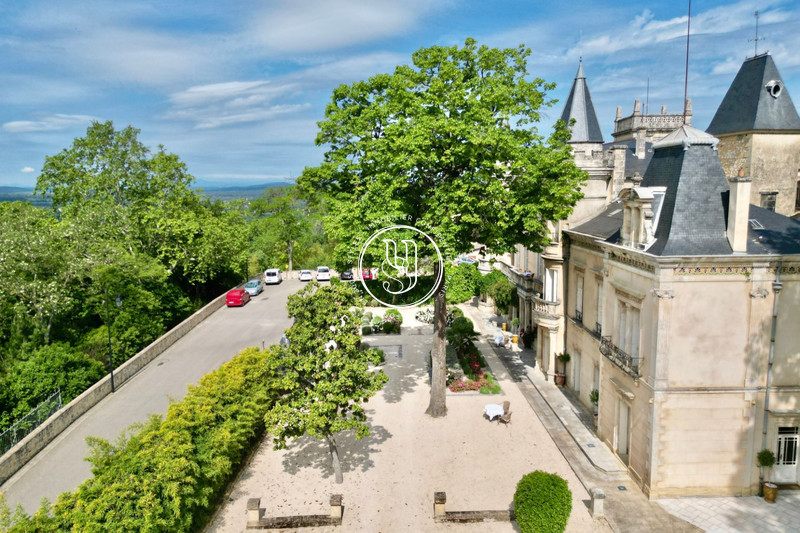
61,467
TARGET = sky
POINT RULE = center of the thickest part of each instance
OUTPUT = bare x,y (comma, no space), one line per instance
236,88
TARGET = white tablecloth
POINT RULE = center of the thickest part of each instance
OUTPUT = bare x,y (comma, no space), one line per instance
493,410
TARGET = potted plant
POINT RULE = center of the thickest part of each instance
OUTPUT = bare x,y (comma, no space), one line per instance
766,459
561,378
594,397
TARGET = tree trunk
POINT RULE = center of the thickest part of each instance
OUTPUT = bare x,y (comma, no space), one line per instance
289,253
337,467
437,407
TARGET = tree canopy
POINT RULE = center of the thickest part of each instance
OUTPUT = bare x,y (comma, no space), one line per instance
449,142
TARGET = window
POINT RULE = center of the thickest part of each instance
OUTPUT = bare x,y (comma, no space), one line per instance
797,194
787,446
628,329
768,200
598,327
551,285
579,298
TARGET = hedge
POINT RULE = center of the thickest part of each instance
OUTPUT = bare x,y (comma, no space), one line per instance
170,475
542,503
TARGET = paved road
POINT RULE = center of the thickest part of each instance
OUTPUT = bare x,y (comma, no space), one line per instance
60,466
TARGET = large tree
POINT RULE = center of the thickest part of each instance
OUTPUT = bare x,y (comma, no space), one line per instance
324,372
450,142
287,221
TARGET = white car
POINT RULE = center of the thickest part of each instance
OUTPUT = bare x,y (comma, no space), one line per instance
272,276
305,275
323,274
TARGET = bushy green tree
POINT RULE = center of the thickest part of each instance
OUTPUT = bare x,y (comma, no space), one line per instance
542,503
449,142
325,375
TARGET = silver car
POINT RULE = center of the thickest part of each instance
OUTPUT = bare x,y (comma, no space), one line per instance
254,287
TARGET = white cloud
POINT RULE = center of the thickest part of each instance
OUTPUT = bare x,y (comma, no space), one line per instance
51,123
26,169
321,25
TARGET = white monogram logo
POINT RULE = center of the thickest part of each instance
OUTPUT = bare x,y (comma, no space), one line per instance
399,266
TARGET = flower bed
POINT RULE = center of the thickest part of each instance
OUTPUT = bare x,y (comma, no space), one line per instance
475,377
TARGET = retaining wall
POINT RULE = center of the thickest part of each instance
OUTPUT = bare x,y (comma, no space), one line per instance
34,442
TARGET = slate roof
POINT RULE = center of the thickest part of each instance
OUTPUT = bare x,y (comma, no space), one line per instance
692,214
748,104
632,163
580,107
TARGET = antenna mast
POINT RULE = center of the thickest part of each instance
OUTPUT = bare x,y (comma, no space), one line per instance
686,72
755,41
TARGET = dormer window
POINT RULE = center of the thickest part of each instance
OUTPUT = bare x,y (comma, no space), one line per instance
637,223
774,88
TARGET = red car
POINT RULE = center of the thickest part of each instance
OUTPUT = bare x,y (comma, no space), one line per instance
237,297
366,274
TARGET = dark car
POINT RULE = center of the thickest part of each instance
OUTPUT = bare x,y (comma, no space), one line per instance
346,275
237,298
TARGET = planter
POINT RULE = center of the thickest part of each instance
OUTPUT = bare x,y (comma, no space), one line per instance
770,492
560,379
515,339
595,421
505,326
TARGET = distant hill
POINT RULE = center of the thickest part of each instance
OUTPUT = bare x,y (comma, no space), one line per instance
217,192
235,192
22,194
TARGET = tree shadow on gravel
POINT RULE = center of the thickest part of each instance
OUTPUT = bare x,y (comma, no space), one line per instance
354,454
405,364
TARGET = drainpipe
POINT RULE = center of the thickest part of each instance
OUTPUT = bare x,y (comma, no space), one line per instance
565,254
776,288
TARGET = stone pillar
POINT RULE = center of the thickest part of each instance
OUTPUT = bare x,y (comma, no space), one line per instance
598,497
253,510
336,506
439,500
551,353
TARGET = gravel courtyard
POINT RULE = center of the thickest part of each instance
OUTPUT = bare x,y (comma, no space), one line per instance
390,476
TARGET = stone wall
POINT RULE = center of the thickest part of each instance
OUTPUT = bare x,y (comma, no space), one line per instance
27,448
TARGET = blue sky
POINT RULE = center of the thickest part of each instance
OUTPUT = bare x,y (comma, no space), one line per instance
236,88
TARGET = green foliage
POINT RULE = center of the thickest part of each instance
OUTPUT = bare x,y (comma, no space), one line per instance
325,374
502,291
335,280
492,387
515,322
564,357
366,330
287,220
594,396
169,475
542,503
765,458
30,381
390,327
463,282
393,315
461,334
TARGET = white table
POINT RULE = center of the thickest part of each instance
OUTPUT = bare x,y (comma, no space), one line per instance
492,410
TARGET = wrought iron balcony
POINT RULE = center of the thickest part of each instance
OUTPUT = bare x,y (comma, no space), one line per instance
545,309
626,363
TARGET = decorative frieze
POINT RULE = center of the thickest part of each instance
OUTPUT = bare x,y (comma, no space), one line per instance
631,261
665,294
713,270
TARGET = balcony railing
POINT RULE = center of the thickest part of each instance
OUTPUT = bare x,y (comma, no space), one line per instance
626,363
545,309
598,329
523,280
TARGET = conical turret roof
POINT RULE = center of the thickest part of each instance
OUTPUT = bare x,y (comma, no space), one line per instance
580,107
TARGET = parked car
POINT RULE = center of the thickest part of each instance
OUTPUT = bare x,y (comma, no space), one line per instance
466,259
237,297
254,287
366,274
323,273
305,275
346,275
272,276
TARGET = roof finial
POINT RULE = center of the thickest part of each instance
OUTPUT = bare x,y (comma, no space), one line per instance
757,38
686,73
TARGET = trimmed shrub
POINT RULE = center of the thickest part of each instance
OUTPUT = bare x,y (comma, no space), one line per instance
393,314
463,282
390,327
542,503
376,321
366,330
335,280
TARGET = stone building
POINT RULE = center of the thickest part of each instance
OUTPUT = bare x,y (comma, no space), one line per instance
665,284
759,132
671,295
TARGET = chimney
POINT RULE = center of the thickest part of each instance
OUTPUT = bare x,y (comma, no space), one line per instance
637,107
738,212
641,138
